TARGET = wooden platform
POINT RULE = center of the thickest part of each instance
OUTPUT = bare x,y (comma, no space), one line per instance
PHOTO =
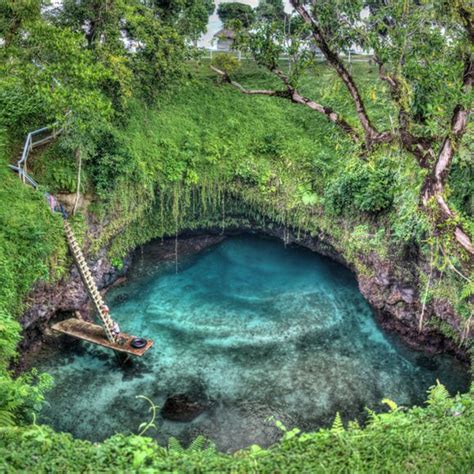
96,334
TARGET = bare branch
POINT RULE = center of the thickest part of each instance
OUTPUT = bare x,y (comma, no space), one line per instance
292,94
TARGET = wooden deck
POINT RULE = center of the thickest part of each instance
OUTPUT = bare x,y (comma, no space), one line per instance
96,334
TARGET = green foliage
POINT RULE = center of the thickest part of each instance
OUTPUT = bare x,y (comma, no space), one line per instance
409,225
226,62
16,15
22,397
188,17
31,242
270,10
437,438
31,249
236,12
461,180
363,188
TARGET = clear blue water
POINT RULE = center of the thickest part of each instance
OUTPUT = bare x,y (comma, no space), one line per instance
257,329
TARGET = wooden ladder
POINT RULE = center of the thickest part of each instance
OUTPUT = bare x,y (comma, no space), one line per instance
89,282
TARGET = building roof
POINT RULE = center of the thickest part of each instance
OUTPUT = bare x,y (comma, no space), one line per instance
225,33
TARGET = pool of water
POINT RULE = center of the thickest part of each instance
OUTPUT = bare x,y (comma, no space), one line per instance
252,332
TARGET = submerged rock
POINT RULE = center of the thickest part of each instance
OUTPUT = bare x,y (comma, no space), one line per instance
182,407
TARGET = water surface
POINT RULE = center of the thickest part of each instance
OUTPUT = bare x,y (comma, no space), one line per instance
251,328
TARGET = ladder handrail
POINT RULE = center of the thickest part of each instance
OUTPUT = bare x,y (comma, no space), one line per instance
29,144
89,282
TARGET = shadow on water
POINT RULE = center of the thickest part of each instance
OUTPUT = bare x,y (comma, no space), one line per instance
245,331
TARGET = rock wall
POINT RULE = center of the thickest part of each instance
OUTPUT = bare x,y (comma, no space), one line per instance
50,302
391,289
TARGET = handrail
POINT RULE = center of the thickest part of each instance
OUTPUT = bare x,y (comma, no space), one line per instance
30,143
25,177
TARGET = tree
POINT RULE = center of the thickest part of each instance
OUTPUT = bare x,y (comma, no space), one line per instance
16,14
188,17
270,10
144,42
80,63
424,54
236,12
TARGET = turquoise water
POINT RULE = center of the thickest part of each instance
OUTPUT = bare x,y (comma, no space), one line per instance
251,330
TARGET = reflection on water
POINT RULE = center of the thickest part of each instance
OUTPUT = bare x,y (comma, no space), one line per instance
246,330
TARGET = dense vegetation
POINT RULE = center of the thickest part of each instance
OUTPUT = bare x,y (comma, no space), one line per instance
439,438
162,144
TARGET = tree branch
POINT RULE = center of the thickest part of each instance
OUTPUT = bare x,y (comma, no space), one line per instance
292,94
372,135
242,89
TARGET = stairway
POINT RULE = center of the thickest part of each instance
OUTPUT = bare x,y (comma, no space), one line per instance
89,282
80,329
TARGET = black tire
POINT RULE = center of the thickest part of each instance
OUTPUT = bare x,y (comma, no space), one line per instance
138,342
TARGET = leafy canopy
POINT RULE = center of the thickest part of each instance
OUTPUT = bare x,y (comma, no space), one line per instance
236,12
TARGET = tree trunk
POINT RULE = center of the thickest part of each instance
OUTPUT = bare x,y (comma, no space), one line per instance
78,189
434,186
372,135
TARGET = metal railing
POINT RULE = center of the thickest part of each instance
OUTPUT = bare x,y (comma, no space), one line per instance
32,142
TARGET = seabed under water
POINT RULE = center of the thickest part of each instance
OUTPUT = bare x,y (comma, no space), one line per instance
255,332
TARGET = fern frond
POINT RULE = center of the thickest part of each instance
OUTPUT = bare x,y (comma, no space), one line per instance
354,426
198,444
6,418
437,394
390,403
337,425
175,445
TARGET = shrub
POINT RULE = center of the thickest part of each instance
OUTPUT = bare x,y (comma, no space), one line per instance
365,189
226,62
